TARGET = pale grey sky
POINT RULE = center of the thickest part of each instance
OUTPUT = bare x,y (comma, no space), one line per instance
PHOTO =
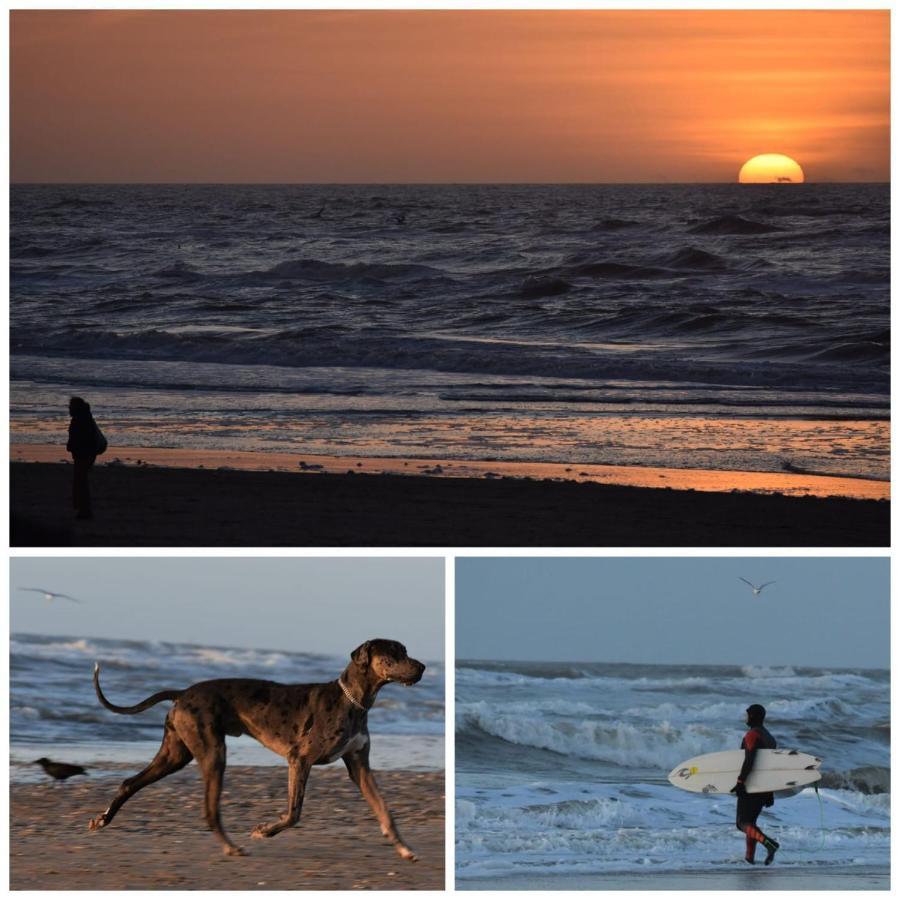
309,605
820,611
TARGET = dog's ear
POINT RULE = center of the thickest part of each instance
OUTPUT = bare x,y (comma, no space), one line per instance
361,654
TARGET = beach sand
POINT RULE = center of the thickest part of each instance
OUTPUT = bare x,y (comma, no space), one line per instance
155,506
160,841
742,878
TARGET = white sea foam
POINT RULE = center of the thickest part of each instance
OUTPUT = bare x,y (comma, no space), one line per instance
617,829
814,709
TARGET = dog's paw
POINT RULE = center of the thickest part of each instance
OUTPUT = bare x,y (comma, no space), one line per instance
260,832
406,853
97,823
234,851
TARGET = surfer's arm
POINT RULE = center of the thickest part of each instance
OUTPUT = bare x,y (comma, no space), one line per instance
750,742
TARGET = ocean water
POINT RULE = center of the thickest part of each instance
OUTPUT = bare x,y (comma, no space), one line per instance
713,326
562,769
54,711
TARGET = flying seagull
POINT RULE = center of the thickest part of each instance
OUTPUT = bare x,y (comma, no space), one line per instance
50,595
757,589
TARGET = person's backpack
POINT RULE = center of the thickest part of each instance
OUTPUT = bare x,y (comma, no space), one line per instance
99,440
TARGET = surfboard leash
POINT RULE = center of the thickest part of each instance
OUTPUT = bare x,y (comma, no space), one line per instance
821,816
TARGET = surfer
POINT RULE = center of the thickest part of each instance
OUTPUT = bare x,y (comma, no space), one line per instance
749,806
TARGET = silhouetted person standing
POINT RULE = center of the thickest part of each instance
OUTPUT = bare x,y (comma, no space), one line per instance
85,442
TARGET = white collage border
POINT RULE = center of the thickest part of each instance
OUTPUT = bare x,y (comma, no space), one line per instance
448,553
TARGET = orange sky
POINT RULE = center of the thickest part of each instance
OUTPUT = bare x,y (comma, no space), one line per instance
386,96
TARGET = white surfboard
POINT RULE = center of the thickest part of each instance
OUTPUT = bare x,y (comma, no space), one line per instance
773,770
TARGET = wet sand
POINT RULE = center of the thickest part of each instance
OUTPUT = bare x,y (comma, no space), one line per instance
159,839
789,484
150,506
747,878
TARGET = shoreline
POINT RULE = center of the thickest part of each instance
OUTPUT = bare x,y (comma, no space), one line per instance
812,877
794,484
389,753
151,506
160,841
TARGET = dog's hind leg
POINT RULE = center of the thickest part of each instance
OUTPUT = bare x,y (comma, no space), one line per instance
171,756
298,773
358,766
210,757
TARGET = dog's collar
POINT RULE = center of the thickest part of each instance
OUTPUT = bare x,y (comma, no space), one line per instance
350,696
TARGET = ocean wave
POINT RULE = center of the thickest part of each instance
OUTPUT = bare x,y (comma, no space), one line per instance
69,714
862,803
77,647
615,270
864,780
855,351
324,345
323,270
524,674
810,210
178,269
658,746
537,286
598,812
80,203
768,671
689,684
733,224
231,658
695,258
555,705
614,224
815,709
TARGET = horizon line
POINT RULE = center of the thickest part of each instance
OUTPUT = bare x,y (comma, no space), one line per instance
598,662
207,644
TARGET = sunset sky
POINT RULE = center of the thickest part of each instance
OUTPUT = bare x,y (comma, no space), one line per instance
446,96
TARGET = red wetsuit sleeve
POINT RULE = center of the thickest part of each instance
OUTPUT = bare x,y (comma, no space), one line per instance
750,745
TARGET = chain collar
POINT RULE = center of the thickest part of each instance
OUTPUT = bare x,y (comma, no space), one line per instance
350,696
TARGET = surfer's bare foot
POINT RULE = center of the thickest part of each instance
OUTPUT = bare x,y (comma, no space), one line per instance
747,859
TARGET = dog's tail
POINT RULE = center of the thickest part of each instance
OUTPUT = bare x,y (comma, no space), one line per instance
158,697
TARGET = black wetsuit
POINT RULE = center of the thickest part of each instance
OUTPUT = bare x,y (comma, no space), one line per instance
749,806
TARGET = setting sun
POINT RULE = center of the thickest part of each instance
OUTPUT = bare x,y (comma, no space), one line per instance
771,168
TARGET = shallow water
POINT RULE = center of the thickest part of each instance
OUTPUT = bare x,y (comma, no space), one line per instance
716,326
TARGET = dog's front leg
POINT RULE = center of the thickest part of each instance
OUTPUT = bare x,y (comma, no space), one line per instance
298,771
358,766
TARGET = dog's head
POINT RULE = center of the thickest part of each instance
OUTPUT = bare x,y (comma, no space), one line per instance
388,661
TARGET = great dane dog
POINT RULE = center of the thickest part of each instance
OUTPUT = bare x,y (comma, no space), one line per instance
309,724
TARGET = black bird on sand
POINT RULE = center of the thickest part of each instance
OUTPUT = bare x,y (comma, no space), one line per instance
59,771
